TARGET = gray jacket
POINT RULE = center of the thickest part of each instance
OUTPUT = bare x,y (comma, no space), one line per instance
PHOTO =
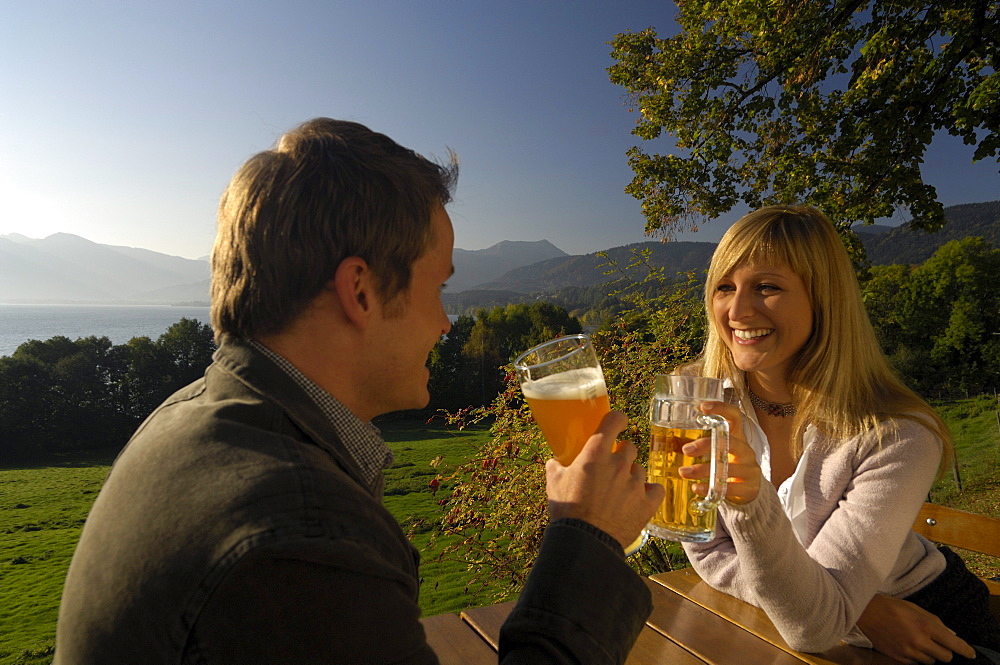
235,528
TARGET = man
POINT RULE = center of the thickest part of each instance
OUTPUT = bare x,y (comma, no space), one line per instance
243,523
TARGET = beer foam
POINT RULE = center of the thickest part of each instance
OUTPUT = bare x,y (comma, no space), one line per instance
584,383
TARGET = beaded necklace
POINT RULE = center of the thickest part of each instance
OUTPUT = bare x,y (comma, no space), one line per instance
771,408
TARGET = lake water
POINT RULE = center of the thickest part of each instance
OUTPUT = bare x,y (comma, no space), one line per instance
20,323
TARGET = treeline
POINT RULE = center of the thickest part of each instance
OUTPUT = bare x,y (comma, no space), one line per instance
468,366
62,395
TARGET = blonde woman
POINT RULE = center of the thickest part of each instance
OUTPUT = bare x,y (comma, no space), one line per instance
836,458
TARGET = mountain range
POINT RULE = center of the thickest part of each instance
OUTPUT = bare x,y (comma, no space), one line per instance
478,266
65,268
901,244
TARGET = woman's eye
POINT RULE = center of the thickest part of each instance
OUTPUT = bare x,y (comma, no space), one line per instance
768,288
725,287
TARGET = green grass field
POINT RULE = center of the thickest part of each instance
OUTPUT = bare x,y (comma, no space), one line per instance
410,498
43,506
42,509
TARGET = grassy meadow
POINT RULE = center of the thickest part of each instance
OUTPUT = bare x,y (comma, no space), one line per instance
43,507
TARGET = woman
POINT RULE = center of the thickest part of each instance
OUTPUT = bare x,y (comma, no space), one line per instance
836,458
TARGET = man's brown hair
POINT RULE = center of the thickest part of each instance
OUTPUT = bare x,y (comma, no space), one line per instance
329,189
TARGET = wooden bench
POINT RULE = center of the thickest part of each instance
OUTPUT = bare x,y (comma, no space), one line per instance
969,531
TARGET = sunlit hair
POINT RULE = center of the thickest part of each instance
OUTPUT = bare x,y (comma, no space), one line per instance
329,190
840,380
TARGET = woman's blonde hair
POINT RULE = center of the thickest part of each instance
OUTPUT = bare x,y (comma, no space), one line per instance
840,381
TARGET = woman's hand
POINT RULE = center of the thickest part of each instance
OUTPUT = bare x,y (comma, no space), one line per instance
744,471
909,633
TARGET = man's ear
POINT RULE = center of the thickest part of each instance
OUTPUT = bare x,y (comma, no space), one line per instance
355,289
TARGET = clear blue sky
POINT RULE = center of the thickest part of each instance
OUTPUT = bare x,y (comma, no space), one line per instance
122,122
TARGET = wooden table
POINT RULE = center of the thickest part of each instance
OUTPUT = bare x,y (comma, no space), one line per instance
703,615
691,624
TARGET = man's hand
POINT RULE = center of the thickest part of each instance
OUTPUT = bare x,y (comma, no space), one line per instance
603,485
909,633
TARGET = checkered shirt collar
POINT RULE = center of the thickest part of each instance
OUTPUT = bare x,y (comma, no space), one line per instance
363,440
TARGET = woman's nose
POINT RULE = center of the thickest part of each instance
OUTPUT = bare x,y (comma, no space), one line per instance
741,305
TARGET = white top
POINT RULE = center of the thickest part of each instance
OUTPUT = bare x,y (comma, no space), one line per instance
792,491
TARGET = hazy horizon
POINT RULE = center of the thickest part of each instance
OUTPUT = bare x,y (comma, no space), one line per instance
690,237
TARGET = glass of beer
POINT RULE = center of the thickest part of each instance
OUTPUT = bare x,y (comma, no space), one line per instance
675,420
564,386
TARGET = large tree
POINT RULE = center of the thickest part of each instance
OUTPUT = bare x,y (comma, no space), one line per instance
830,102
951,305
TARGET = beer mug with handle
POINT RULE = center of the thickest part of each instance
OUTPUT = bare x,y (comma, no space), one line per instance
675,420
563,384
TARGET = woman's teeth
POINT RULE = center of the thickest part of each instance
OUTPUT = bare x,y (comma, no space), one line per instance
752,334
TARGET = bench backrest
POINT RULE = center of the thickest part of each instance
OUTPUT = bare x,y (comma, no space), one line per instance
969,531
958,528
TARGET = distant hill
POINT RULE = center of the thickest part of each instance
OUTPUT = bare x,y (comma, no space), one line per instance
905,245
586,270
578,281
553,278
871,229
478,266
472,300
194,293
65,268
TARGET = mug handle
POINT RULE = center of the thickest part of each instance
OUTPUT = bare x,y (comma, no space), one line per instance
718,464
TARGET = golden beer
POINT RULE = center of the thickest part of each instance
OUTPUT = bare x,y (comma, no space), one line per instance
681,511
568,408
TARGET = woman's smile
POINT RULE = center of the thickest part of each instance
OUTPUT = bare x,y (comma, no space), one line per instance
752,334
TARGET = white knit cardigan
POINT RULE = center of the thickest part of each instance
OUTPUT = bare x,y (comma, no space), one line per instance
861,501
